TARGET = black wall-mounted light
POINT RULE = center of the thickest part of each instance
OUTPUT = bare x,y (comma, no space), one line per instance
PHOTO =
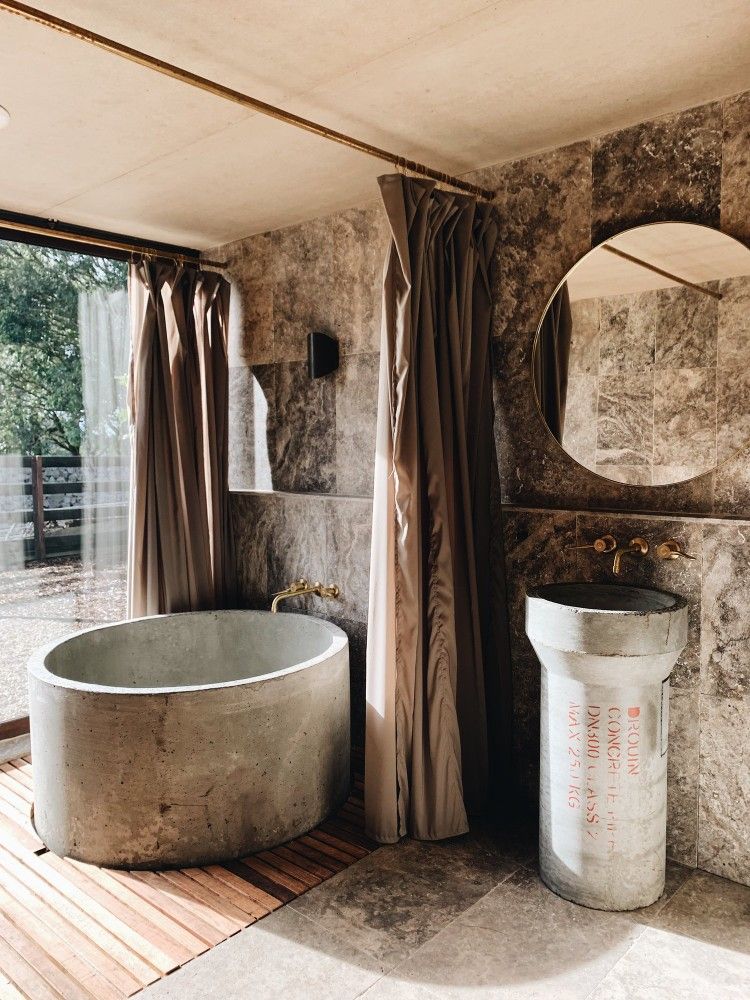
322,354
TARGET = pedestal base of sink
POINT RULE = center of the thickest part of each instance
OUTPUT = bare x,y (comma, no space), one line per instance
606,659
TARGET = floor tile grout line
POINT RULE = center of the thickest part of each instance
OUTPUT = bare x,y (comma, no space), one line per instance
451,922
335,934
617,961
439,930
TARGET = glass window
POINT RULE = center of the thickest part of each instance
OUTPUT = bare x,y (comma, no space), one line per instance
64,451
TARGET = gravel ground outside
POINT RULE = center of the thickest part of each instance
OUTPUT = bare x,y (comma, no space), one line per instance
45,602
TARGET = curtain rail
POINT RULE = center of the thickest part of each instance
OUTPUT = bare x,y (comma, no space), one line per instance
219,90
660,270
59,232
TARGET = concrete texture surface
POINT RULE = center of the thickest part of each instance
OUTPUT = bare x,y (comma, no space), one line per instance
606,652
182,740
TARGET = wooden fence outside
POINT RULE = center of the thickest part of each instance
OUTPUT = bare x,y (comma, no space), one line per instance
62,541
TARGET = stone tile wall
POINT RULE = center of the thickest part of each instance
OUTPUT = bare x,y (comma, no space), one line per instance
294,436
656,382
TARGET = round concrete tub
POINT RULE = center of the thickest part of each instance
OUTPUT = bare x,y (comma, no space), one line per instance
188,739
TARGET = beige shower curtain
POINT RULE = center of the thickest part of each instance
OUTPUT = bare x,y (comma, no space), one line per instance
180,554
433,663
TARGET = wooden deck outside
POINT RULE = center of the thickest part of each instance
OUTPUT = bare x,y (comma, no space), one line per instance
71,931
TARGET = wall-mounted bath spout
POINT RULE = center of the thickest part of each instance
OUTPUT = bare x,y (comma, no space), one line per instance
301,587
636,547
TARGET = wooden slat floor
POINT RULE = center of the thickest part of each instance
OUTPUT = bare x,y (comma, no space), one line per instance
70,931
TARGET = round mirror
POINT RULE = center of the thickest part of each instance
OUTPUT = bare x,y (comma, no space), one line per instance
640,363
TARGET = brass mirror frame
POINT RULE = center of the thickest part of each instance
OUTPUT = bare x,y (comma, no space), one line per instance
535,343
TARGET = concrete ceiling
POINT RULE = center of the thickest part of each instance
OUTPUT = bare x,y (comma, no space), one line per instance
99,141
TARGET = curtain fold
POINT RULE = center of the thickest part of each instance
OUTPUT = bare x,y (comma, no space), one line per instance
180,553
432,654
551,361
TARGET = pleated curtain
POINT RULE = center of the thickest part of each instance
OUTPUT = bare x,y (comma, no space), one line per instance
180,554
438,700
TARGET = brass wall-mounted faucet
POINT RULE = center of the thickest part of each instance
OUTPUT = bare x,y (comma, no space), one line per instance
636,546
301,587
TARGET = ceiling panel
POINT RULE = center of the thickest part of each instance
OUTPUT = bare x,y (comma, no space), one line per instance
102,142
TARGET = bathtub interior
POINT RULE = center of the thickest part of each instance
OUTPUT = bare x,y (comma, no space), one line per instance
188,650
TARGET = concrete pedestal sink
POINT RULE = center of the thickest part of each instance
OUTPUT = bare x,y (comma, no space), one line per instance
606,652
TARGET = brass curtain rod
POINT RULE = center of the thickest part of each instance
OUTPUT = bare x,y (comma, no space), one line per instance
185,76
661,271
61,233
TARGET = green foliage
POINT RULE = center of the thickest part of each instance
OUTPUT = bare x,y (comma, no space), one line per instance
41,406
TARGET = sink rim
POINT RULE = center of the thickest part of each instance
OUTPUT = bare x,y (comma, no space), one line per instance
543,592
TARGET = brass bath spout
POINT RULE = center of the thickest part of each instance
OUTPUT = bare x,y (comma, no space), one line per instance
301,587
636,547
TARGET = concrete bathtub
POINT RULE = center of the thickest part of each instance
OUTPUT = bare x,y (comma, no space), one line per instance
188,739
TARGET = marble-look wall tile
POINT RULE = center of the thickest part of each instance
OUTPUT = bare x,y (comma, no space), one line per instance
255,522
682,776
584,345
356,420
298,546
544,208
665,169
735,167
579,432
732,411
725,624
327,275
635,475
534,469
731,493
681,576
724,818
304,447
251,301
348,538
686,328
241,429
627,334
733,323
684,419
625,420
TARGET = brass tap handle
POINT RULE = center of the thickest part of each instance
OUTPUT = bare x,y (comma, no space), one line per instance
607,543
300,584
671,549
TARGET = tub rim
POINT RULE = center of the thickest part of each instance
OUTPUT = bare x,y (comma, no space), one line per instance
36,663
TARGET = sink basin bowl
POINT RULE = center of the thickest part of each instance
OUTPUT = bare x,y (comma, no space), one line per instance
605,619
607,652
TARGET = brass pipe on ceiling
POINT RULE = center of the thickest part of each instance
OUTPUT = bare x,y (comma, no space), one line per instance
219,90
59,232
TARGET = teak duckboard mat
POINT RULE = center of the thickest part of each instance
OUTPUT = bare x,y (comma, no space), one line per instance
71,931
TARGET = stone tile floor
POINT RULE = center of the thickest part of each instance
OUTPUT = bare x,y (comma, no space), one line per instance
46,602
471,919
